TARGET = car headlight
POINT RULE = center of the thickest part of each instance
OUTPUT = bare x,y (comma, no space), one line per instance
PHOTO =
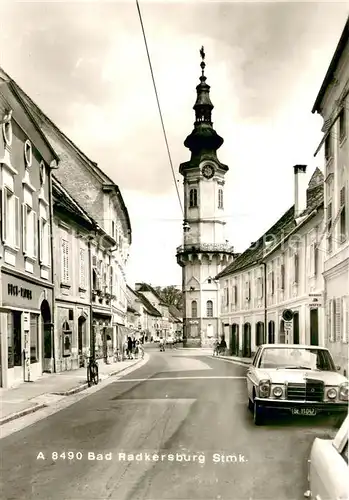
277,392
264,388
332,393
343,391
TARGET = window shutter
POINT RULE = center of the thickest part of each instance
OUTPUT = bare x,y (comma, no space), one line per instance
282,272
330,319
24,228
296,268
338,317
94,261
17,222
35,234
82,267
41,240
345,334
48,243
65,261
4,215
247,290
227,296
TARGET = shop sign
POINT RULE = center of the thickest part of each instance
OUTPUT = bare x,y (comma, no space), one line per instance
315,300
18,291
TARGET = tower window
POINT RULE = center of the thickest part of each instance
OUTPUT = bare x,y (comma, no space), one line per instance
193,198
209,309
220,198
194,309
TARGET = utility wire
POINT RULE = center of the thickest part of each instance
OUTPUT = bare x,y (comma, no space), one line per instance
159,107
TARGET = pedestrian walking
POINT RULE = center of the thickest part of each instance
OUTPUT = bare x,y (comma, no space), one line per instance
223,347
215,348
129,348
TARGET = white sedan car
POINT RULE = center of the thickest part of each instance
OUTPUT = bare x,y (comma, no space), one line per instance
296,379
328,467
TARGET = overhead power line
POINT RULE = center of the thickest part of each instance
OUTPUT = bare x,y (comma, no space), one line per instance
159,107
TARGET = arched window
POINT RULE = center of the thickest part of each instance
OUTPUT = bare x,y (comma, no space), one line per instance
194,309
209,309
220,198
193,198
67,338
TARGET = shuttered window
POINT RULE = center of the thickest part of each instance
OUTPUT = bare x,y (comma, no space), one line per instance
247,290
338,319
259,288
83,268
282,277
296,268
65,261
11,218
343,226
331,320
345,322
29,231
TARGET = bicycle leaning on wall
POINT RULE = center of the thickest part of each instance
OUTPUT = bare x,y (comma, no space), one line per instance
92,371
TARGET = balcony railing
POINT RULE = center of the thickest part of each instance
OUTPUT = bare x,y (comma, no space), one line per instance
205,247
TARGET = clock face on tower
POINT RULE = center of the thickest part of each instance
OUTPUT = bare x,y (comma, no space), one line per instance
208,171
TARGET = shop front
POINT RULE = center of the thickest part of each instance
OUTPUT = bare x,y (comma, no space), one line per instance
26,330
102,335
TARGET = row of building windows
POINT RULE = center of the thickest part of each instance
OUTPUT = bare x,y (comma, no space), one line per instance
22,221
193,198
209,309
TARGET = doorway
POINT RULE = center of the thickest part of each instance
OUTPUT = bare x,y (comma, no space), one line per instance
271,332
296,328
234,339
81,339
246,348
259,333
46,328
314,327
282,336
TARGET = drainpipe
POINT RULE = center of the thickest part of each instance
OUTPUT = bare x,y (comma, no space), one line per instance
53,166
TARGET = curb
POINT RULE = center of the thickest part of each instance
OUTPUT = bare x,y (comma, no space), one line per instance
75,390
233,360
22,413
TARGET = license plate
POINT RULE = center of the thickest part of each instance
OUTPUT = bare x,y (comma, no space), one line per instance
308,412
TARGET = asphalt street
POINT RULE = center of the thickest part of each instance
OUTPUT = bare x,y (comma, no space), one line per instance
178,428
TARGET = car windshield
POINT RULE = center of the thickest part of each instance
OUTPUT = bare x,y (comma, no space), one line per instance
293,358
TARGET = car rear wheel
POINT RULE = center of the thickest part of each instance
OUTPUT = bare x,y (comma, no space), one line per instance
258,416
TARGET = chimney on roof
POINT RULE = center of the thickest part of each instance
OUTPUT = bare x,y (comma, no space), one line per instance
300,190
137,286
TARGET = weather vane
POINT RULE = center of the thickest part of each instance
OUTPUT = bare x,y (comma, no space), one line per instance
202,64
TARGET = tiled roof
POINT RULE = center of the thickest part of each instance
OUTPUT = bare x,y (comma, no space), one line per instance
144,287
150,308
63,200
280,230
175,312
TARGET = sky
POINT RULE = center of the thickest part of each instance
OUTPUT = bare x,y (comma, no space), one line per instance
85,65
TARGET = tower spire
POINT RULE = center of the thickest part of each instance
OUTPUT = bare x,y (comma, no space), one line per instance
203,135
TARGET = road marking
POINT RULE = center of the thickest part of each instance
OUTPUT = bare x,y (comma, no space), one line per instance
161,379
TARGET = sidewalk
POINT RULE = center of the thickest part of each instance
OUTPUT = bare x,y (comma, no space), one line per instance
208,351
29,397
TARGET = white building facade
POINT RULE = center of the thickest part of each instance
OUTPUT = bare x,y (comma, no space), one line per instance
332,103
282,270
205,250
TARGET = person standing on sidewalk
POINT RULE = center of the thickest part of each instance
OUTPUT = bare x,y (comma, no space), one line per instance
215,347
223,347
129,348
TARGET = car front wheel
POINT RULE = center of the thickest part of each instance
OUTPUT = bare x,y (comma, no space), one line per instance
258,416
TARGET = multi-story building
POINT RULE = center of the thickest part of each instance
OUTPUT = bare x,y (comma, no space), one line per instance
26,283
281,271
73,232
205,250
101,199
332,103
143,316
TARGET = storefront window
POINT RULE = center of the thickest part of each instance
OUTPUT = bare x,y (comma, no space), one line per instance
34,338
14,339
10,346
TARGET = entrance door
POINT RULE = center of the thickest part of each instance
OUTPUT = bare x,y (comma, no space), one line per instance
259,333
17,345
247,341
234,339
81,338
282,336
296,328
314,327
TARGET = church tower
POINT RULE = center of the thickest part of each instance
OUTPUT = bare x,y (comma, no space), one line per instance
205,250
